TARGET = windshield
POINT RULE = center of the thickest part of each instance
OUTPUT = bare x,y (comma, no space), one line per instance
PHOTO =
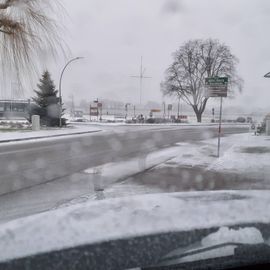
134,134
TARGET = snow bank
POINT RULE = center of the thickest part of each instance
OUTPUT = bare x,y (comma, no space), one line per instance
47,133
246,156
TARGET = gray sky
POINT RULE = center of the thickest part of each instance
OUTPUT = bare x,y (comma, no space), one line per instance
112,35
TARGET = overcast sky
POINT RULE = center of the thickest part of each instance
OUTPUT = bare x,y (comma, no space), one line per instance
112,35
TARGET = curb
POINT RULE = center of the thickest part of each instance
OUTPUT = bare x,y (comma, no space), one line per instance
49,136
164,125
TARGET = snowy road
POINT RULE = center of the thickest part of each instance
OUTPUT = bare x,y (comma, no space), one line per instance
26,164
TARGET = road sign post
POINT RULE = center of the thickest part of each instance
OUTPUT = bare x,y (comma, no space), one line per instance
217,87
99,105
219,128
93,112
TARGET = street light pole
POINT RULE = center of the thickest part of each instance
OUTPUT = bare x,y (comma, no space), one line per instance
60,87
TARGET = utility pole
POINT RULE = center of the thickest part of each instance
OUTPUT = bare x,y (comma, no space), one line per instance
141,77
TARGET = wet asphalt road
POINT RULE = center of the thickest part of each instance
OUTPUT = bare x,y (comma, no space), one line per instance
27,164
115,144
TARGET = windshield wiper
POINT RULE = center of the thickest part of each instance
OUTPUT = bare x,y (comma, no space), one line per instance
244,254
199,251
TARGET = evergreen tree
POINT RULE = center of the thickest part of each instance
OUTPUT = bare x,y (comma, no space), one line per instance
47,102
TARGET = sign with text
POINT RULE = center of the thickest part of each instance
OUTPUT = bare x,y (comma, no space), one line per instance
94,111
216,86
155,110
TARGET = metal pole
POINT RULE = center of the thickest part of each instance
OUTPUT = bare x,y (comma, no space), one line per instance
178,109
60,87
90,113
100,118
219,128
134,108
141,78
164,110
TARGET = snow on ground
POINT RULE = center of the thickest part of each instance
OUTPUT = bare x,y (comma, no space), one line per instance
249,155
50,132
95,221
245,154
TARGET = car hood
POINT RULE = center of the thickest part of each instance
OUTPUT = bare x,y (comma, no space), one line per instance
122,218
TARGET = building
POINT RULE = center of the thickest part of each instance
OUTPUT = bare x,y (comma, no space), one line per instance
14,109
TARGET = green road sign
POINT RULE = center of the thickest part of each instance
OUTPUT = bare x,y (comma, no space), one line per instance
216,86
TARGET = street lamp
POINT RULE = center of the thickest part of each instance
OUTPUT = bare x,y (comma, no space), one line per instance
60,86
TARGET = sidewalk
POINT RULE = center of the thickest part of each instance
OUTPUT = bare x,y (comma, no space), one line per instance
245,154
243,164
24,135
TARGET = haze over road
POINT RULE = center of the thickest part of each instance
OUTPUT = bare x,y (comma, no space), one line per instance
33,162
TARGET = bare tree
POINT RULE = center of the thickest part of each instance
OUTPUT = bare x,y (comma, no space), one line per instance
27,28
195,61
